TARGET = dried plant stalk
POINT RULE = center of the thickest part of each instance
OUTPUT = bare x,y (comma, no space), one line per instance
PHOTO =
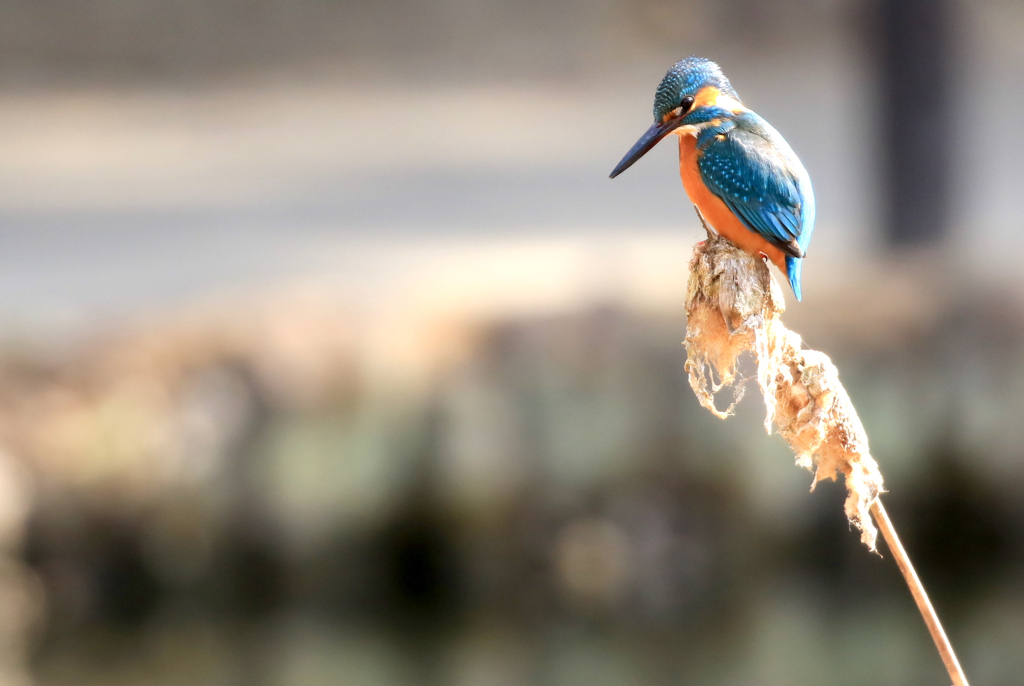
734,306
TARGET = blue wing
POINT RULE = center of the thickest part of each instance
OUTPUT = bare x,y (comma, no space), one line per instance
747,164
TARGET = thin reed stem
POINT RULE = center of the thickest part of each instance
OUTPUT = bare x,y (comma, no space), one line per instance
920,596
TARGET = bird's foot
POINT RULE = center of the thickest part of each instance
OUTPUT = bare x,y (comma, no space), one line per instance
711,234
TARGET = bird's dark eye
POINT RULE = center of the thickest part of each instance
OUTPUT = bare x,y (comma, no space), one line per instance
686,104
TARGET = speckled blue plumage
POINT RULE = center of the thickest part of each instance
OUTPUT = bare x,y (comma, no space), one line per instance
750,166
686,77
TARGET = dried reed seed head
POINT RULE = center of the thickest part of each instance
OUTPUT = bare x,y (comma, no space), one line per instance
734,306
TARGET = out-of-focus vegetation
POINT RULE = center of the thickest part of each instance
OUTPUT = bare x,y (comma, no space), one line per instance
548,493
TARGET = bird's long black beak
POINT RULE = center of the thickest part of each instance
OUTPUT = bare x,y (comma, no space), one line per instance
647,141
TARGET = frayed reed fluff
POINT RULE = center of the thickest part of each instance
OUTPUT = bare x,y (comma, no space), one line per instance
735,306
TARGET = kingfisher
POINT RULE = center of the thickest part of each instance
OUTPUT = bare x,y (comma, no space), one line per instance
740,173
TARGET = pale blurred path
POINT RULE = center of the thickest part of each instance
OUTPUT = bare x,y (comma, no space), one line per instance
113,201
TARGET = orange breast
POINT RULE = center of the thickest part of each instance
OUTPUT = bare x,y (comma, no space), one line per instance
715,211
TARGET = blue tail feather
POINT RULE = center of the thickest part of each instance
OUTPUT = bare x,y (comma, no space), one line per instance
793,267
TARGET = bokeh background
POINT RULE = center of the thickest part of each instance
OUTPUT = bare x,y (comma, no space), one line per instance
330,355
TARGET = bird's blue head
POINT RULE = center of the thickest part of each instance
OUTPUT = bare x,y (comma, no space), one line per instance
693,92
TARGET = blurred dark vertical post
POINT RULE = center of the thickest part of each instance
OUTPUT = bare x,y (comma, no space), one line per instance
916,56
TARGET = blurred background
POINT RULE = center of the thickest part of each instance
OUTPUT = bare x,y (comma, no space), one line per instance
330,355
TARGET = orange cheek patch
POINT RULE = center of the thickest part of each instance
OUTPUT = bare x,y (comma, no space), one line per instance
710,96
706,97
